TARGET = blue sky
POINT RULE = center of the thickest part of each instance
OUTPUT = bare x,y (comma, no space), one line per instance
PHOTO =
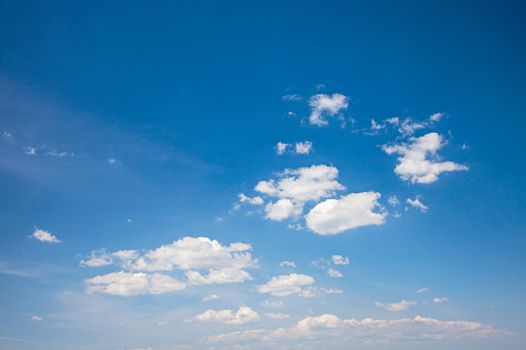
300,175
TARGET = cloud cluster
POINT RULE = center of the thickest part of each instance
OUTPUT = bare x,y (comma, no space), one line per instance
304,147
203,260
329,327
419,162
243,315
323,106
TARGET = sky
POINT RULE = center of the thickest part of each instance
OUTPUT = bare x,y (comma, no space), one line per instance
262,175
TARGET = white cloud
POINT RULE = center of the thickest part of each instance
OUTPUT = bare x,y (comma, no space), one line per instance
243,315
436,117
97,258
281,147
112,161
328,327
334,273
218,276
303,184
440,300
418,162
303,147
416,203
311,292
286,263
31,151
422,290
393,201
37,318
323,105
127,283
284,285
274,304
408,127
354,210
281,210
45,236
340,260
251,200
210,297
277,315
125,255
402,305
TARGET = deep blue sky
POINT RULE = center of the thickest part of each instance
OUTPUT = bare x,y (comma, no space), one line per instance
148,119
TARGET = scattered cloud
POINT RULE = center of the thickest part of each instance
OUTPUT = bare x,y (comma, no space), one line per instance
354,210
277,315
393,201
303,147
440,300
416,203
284,285
251,200
334,273
323,106
418,161
210,297
286,263
37,318
97,258
281,147
340,260
45,236
422,290
274,304
242,316
291,97
127,283
402,305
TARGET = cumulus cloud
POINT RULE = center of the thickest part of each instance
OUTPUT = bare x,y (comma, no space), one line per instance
97,258
354,210
286,263
284,285
282,209
340,260
203,260
127,283
334,273
402,305
331,327
323,106
45,236
243,315
251,200
303,147
419,162
416,203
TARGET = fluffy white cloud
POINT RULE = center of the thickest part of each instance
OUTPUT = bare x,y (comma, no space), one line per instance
282,209
281,147
284,285
45,236
440,300
127,283
402,305
334,273
340,260
418,161
303,184
354,210
242,316
97,258
218,276
416,203
286,263
303,147
330,327
251,200
323,105
277,315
